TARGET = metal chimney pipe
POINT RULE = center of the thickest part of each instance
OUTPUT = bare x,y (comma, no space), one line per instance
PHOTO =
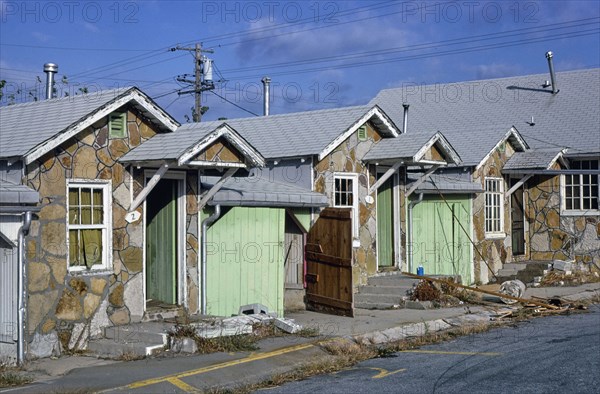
50,69
267,94
405,122
552,75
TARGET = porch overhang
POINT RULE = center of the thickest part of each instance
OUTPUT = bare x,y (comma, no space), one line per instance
252,192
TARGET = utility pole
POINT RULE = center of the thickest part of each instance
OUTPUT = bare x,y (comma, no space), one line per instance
203,79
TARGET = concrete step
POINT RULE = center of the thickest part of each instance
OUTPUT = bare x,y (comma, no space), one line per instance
525,274
111,348
160,314
384,289
392,280
378,298
376,305
151,333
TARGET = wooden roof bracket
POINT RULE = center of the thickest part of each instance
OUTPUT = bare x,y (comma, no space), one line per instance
148,188
517,185
216,187
422,179
391,171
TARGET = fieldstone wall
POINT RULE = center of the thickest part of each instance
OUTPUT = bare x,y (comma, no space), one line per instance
347,158
553,236
495,251
66,308
192,237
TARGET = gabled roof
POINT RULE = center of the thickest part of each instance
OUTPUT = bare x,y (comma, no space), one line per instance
29,130
188,141
411,147
273,137
308,133
534,159
568,119
237,191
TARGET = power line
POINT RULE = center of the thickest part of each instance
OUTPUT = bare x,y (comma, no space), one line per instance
234,104
413,47
429,55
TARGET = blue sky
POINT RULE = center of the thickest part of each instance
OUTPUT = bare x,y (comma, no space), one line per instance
319,54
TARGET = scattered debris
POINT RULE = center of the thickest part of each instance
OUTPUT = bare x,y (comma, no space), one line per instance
287,325
568,278
514,288
566,266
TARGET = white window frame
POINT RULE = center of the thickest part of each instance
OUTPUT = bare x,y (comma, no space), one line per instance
106,227
354,178
499,217
563,193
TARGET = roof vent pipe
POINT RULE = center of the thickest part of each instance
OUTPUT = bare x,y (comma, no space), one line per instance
267,95
552,75
405,122
50,69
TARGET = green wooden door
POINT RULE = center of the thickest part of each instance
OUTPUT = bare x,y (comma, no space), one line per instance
161,243
385,224
245,260
439,242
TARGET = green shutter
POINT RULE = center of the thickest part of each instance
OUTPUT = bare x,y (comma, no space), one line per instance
117,125
362,133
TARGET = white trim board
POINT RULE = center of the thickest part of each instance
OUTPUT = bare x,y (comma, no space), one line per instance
109,107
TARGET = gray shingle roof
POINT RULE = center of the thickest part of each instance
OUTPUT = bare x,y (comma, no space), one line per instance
459,110
171,146
25,126
13,194
276,136
448,182
403,146
533,159
262,192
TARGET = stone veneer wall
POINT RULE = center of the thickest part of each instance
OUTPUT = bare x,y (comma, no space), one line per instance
553,236
346,158
496,251
66,308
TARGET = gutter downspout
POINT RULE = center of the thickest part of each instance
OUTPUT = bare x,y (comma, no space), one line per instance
411,205
21,288
203,255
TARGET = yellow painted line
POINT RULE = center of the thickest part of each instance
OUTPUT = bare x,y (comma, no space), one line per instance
385,373
459,353
183,385
259,356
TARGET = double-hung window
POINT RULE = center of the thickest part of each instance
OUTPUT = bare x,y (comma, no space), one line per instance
581,190
494,207
88,225
345,195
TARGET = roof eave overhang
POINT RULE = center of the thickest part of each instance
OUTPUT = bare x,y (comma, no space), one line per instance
376,115
251,155
144,104
511,135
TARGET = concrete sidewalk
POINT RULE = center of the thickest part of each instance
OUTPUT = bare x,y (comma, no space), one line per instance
276,355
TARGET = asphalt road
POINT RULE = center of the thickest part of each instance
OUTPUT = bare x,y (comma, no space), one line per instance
558,354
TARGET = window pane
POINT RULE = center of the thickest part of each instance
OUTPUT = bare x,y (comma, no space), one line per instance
97,197
86,196
73,215
91,247
86,215
74,248
73,197
98,215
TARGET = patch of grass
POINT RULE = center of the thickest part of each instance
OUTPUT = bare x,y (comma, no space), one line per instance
10,376
308,332
129,356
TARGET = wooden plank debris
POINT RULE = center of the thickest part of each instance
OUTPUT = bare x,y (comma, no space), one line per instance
500,295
